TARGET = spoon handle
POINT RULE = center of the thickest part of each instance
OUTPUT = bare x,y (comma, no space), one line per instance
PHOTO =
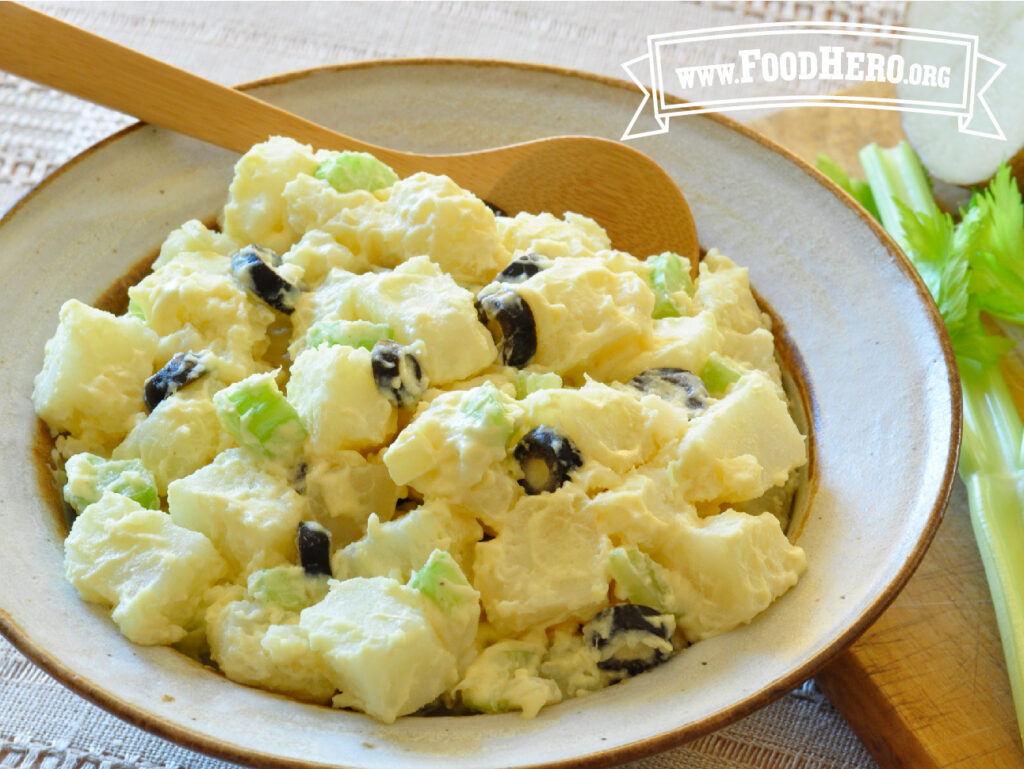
49,51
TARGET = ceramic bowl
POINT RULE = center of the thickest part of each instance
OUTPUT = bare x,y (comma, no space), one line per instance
877,378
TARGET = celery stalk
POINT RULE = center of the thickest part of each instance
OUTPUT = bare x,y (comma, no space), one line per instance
973,266
991,469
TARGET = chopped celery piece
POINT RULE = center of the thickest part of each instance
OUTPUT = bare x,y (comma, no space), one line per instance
530,382
442,581
718,374
639,580
670,273
352,171
260,418
506,677
351,333
135,310
288,587
484,406
857,189
89,476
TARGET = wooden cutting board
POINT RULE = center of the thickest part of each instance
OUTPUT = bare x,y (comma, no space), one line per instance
925,687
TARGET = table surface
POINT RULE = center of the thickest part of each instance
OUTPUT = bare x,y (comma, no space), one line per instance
41,724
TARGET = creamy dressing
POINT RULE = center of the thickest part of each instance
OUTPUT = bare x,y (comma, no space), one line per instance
458,581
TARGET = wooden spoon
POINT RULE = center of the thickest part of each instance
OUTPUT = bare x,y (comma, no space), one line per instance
626,192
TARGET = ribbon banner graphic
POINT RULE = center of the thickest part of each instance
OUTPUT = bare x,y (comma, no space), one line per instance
942,73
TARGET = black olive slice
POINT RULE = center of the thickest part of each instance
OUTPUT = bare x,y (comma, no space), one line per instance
510,320
547,458
398,373
253,267
523,267
676,385
630,638
181,369
314,542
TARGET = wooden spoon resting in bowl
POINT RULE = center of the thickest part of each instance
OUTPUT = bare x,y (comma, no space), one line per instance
626,192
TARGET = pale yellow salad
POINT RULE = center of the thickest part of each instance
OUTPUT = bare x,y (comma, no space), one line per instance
371,443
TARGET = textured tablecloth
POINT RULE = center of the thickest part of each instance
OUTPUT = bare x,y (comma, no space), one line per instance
44,725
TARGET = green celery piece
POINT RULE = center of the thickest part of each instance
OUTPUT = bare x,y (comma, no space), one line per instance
352,171
288,587
94,475
670,273
992,472
483,405
351,333
637,579
897,179
135,310
857,189
718,374
530,382
958,265
487,693
941,252
997,265
441,580
257,415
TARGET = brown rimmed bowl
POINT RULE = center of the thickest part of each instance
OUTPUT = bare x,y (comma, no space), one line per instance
875,372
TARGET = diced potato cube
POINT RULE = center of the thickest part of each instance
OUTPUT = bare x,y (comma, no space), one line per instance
454,228
740,447
245,506
93,374
640,510
396,548
345,488
684,342
609,426
380,648
260,644
452,605
424,306
756,349
724,289
732,566
193,309
310,203
177,438
455,449
334,391
582,309
151,571
317,253
194,237
365,225
546,234
256,210
548,564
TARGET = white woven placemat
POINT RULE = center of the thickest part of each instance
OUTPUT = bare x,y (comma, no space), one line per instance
44,725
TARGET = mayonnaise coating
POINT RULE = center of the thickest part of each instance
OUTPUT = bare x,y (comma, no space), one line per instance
526,455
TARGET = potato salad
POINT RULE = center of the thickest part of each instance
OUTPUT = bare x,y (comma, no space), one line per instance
372,443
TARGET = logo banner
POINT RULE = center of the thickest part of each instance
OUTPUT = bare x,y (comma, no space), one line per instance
941,73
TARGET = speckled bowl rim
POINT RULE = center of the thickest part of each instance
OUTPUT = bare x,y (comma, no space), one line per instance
632,751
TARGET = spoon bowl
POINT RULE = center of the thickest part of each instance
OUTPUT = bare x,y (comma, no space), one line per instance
622,189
